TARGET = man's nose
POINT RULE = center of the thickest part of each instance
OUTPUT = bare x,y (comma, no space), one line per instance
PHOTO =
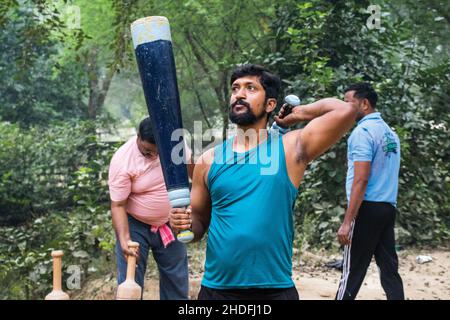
240,94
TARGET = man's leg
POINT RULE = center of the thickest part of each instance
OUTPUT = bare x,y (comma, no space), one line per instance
387,260
173,269
366,230
138,233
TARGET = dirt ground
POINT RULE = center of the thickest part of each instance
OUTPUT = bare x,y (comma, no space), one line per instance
315,281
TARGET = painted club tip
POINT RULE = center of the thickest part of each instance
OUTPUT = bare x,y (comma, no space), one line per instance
292,99
185,236
150,29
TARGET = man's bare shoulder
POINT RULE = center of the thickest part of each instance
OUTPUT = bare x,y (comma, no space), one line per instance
291,136
207,158
202,165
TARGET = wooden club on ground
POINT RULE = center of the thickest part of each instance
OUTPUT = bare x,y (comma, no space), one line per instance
57,293
129,289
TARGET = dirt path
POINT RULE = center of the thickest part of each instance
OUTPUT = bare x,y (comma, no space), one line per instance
429,281
314,281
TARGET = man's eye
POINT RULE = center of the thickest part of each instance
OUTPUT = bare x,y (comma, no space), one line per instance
251,88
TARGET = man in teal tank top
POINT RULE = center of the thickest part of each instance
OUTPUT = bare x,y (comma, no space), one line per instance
243,191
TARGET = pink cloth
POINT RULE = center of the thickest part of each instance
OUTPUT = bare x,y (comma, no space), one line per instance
140,181
166,234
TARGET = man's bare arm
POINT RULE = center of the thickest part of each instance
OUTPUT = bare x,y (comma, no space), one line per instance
198,216
329,118
120,224
190,169
359,185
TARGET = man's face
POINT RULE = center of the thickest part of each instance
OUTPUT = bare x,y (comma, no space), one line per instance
355,102
148,150
247,102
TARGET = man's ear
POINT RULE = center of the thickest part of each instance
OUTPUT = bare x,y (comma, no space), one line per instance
366,104
271,105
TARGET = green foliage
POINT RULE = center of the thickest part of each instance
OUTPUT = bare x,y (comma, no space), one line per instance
84,234
208,39
53,173
34,88
54,183
323,47
39,166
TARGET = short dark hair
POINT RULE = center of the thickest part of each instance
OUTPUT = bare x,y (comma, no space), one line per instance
270,82
146,130
364,90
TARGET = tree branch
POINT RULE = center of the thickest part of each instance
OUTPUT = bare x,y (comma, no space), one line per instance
197,94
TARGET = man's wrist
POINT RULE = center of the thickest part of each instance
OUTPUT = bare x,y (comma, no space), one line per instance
282,130
348,218
124,240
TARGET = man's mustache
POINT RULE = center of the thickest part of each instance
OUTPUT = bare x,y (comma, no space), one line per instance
241,102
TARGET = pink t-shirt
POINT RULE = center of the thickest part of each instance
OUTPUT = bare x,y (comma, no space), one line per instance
139,180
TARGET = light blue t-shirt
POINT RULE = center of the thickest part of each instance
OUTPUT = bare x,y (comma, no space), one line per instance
372,140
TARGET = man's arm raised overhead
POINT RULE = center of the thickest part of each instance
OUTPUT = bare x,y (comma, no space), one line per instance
329,118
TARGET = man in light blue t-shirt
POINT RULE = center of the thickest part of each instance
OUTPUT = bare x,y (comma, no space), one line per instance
372,185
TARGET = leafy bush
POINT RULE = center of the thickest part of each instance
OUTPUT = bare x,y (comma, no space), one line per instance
54,183
322,47
39,165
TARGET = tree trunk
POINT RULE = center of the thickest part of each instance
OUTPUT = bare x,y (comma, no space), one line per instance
219,87
98,84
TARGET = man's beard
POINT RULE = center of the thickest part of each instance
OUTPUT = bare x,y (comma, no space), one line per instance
244,118
359,113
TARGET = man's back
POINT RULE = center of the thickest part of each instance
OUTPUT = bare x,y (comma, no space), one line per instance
374,141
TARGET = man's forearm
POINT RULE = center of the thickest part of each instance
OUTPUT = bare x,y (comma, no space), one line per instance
120,223
198,229
318,108
356,198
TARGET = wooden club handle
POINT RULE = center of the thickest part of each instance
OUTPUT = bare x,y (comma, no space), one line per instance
57,293
131,260
57,265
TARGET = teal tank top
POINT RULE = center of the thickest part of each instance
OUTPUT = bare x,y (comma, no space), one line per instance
251,230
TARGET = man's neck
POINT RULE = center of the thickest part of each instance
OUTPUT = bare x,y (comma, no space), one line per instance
365,115
370,112
249,137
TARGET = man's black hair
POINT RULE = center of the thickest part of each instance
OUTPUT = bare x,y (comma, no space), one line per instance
270,82
364,90
146,130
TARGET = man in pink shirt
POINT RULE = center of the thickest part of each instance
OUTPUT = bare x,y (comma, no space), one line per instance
140,211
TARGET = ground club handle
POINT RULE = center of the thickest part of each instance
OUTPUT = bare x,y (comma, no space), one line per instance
129,289
57,293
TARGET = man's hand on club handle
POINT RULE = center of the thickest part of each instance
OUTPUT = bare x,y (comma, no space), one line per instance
289,116
127,251
180,219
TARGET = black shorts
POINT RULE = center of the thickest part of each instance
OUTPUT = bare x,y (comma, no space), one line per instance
248,294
